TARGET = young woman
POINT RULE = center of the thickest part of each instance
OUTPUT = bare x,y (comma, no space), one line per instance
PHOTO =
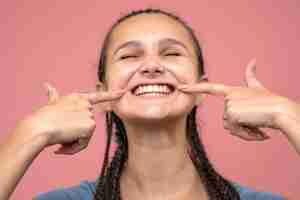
151,80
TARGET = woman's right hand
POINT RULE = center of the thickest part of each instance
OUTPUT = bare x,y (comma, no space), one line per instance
68,120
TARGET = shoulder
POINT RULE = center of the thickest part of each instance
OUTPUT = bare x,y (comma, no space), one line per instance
247,193
85,190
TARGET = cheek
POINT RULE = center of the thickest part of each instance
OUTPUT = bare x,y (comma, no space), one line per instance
118,76
185,72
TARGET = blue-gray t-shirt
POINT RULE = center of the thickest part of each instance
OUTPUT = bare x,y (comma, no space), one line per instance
85,190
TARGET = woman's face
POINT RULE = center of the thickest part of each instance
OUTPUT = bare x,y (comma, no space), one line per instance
150,55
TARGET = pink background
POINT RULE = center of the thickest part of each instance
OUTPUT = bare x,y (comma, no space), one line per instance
59,42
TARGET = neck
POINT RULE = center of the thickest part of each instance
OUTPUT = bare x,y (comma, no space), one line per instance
158,165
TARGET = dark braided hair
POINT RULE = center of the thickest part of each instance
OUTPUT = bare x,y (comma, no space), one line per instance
108,183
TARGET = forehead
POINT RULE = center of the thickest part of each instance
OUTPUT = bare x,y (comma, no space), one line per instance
149,28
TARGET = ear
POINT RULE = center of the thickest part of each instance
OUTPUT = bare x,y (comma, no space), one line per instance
105,106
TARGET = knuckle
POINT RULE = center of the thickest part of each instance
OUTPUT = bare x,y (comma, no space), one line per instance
232,132
74,96
84,104
229,103
83,143
229,96
92,124
88,133
226,125
83,95
230,111
91,115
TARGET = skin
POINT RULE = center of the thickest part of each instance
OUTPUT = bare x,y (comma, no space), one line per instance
247,109
67,120
155,126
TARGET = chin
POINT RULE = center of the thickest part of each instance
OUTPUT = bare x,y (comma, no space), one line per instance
148,115
154,114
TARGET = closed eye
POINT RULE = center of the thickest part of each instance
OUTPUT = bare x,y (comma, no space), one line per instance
127,56
172,54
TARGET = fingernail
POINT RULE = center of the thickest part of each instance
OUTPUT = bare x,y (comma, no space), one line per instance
252,63
117,93
263,137
121,91
204,77
267,137
46,85
183,86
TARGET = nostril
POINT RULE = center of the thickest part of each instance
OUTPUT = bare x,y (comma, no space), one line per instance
152,68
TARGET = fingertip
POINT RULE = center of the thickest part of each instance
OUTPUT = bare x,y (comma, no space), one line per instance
121,92
253,61
266,137
57,152
259,136
113,95
204,77
252,65
184,86
47,86
66,151
92,95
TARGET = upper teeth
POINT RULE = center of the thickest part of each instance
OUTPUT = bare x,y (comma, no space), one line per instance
152,88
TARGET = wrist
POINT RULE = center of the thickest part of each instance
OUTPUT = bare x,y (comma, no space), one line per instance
26,131
287,115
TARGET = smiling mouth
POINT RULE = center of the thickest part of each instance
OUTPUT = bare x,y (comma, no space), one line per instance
153,90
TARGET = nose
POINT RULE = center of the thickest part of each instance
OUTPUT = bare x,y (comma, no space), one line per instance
152,68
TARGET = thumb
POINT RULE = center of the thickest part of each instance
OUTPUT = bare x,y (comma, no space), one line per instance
52,93
251,79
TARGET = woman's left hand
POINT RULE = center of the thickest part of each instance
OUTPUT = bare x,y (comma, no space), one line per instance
249,108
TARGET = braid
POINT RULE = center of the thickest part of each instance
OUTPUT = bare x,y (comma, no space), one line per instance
121,156
108,187
102,179
217,187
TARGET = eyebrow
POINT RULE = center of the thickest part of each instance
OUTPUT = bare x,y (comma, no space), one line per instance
162,42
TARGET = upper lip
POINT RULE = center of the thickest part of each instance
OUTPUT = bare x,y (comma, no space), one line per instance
134,86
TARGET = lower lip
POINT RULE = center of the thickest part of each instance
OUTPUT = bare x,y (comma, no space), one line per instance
154,94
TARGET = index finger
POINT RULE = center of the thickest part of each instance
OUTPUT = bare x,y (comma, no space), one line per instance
98,97
208,88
